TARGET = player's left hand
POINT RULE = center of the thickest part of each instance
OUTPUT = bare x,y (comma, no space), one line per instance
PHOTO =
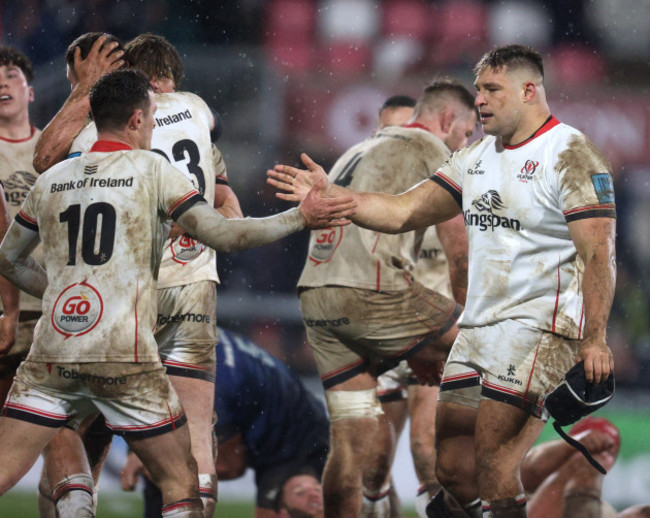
598,357
321,212
8,332
296,182
132,469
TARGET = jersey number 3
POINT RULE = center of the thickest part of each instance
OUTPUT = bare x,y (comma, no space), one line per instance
93,253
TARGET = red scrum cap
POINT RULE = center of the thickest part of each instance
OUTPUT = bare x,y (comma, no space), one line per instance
597,423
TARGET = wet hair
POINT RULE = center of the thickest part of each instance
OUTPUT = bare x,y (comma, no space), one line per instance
398,101
512,56
10,56
279,502
115,97
85,43
155,56
440,91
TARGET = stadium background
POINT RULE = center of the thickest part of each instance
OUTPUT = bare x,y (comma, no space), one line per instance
309,75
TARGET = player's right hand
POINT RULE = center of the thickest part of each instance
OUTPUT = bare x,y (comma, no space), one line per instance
296,182
321,212
98,62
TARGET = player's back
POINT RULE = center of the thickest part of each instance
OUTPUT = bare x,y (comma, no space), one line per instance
392,161
263,399
182,136
101,218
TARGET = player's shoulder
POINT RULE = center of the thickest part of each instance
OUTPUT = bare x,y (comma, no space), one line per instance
188,99
572,146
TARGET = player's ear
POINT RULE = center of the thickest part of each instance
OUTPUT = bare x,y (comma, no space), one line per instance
31,94
447,119
529,91
136,119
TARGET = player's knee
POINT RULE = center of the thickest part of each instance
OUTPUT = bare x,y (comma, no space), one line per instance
353,404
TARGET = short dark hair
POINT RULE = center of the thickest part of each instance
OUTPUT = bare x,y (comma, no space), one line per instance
398,101
11,56
115,97
279,501
444,88
85,43
513,57
155,56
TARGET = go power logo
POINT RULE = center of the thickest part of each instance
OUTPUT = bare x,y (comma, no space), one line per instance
486,206
184,249
77,310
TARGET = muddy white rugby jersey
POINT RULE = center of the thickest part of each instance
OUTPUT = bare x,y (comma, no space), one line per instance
17,176
391,161
182,135
517,201
432,268
102,219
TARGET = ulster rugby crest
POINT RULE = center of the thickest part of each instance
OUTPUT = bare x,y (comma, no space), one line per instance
77,310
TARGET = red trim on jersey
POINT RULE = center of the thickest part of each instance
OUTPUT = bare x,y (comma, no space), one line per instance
342,369
550,123
182,199
104,146
530,375
417,125
169,420
451,183
557,298
174,363
378,275
137,286
505,390
460,377
27,218
19,140
605,206
376,243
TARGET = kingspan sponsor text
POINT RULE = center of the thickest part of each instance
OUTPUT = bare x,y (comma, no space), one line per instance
489,220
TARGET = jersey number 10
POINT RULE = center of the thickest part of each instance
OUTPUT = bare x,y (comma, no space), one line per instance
90,253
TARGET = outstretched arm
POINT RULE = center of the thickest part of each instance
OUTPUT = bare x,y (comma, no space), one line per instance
423,205
55,140
594,239
226,235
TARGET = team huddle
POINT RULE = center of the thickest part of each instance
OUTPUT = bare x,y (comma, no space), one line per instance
466,280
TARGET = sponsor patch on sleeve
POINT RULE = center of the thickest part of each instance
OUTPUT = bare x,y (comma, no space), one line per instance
604,187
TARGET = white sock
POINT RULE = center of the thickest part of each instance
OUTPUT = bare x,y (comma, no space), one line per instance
208,493
376,504
73,496
421,501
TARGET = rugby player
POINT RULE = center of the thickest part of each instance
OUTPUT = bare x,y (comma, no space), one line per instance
94,348
538,203
363,309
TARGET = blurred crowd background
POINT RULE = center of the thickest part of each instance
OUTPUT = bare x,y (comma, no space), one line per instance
309,75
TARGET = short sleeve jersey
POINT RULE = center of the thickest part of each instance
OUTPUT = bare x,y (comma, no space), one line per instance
261,398
102,219
432,268
182,136
17,176
517,202
391,161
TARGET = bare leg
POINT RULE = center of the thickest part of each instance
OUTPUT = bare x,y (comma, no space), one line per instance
20,445
350,441
503,435
376,470
197,398
169,461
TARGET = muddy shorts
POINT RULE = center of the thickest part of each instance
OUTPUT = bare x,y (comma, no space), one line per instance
353,330
136,399
186,330
509,362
